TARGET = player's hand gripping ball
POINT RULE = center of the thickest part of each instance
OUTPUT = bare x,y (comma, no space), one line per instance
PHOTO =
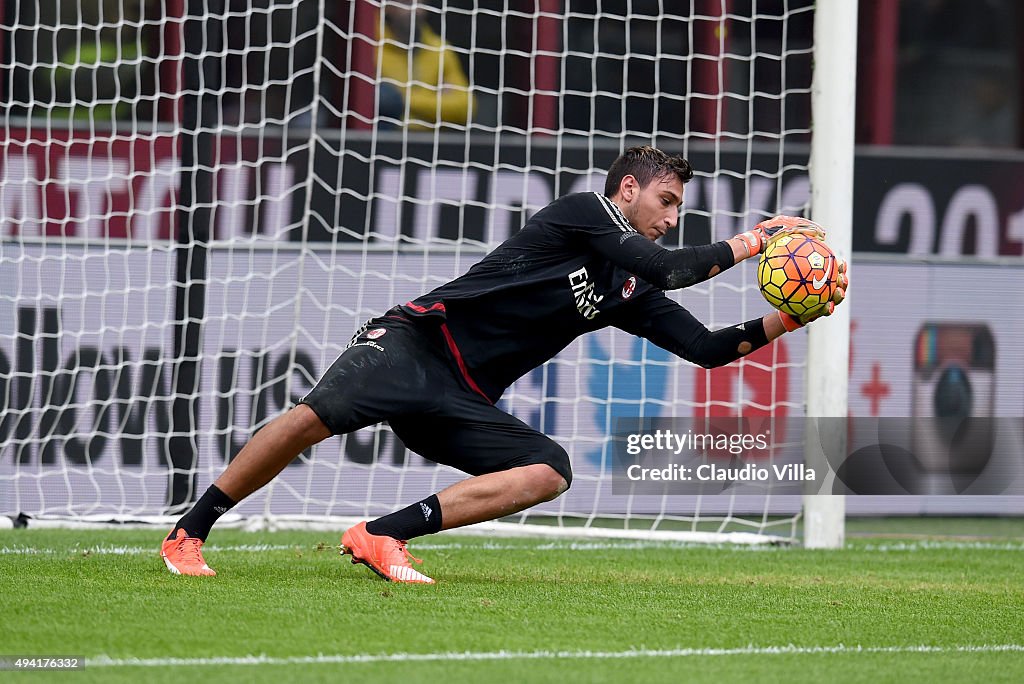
799,275
757,239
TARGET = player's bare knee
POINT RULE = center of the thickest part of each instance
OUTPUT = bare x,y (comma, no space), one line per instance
559,489
546,483
558,474
562,488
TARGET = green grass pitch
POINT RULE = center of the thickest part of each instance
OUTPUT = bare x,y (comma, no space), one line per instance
938,601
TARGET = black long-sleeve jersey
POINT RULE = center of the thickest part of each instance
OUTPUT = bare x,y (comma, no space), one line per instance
576,266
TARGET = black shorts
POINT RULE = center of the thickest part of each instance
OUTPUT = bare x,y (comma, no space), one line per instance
395,370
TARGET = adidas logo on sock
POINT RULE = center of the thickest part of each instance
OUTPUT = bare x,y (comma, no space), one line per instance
426,510
220,510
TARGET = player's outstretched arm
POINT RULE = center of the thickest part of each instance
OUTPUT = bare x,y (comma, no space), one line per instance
670,326
667,269
672,269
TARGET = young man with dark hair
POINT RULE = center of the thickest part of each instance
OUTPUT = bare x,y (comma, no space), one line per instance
434,367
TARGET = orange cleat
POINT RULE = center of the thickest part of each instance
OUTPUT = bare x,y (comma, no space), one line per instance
183,555
386,556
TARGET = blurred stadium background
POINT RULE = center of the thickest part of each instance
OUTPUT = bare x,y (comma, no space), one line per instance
201,201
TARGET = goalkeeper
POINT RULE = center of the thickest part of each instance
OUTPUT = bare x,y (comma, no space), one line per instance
434,367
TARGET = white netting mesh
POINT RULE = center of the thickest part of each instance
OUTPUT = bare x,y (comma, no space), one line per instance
202,201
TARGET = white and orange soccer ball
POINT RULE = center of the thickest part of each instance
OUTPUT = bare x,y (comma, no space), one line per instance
798,274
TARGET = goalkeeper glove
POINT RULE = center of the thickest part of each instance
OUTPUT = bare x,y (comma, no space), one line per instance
791,323
757,238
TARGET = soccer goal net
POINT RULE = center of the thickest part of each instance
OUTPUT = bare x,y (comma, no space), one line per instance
202,201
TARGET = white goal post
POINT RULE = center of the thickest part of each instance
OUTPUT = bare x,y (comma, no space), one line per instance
200,204
833,99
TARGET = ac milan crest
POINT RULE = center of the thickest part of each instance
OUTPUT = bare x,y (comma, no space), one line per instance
375,333
628,287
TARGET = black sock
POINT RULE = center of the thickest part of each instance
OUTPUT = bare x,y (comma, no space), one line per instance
198,521
410,522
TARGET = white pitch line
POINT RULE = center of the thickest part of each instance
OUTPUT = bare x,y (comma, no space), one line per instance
921,545
111,550
320,659
929,544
